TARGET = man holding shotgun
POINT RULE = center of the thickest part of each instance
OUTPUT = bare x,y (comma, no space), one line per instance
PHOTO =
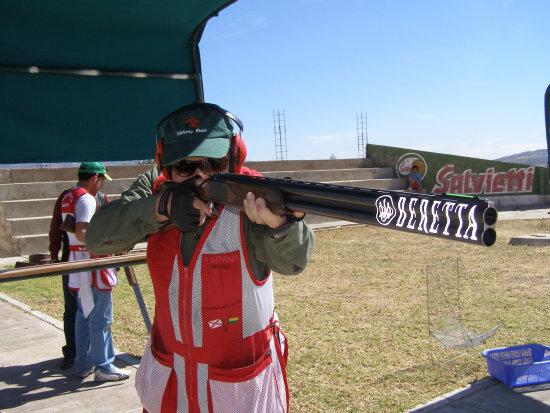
216,343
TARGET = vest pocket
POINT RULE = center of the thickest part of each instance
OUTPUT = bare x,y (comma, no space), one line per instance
221,300
249,389
109,279
151,380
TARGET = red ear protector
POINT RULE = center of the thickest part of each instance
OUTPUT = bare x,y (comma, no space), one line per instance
237,148
158,160
237,154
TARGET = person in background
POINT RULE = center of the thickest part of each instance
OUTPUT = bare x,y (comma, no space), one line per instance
216,343
94,316
59,241
414,179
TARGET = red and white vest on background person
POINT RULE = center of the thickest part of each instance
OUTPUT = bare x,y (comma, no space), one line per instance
103,280
216,344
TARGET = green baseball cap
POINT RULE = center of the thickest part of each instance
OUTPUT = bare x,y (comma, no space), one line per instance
195,130
94,168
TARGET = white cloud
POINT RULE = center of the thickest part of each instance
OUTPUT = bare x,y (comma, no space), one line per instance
258,21
425,116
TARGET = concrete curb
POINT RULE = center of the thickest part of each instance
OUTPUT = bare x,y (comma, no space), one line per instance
539,240
455,395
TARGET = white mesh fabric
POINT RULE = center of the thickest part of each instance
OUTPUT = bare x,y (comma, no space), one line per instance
202,387
196,304
179,368
151,379
258,395
277,369
173,296
258,305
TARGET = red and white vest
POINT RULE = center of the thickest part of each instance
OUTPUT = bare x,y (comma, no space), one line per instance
103,280
216,345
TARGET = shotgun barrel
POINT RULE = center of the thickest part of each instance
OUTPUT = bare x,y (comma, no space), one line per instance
59,268
448,216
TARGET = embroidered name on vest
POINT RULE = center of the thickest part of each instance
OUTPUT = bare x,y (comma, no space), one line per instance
220,259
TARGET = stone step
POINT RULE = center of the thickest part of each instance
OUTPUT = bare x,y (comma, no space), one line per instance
66,174
38,212
24,175
31,190
304,165
39,244
26,208
31,244
333,175
31,234
26,205
29,226
397,184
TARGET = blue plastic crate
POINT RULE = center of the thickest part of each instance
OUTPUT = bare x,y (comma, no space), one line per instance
520,365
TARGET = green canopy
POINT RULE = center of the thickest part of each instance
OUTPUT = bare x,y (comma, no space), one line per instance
88,80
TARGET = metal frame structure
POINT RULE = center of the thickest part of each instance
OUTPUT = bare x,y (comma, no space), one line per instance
279,127
362,137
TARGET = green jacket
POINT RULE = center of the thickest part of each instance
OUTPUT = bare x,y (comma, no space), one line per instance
120,224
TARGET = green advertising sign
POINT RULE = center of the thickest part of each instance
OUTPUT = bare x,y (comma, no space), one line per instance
442,173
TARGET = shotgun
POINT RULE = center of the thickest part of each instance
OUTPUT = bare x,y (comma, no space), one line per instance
449,216
59,268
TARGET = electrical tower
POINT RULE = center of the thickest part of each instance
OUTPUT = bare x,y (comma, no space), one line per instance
279,126
362,137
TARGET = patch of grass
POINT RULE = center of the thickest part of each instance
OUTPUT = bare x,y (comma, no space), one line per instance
356,318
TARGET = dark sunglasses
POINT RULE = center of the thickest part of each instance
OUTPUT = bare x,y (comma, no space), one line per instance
207,166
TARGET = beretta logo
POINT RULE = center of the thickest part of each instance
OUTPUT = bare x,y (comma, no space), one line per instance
192,122
431,216
385,210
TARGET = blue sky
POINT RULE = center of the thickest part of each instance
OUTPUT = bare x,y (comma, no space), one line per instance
465,77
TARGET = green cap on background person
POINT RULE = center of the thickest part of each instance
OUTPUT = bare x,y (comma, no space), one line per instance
196,130
94,168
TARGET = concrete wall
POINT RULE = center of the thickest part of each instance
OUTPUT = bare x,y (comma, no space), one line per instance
27,196
132,171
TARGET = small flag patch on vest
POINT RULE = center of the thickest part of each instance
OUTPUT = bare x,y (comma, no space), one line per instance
215,323
219,323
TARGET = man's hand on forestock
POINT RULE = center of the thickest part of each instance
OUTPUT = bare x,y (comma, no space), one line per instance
258,212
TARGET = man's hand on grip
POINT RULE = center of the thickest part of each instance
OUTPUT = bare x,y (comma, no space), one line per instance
186,211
